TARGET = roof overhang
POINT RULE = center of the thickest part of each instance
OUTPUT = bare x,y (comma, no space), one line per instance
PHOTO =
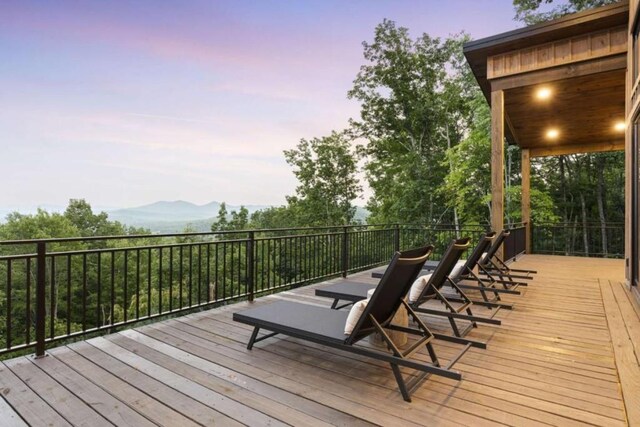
581,56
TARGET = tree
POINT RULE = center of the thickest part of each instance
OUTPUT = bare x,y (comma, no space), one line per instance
221,222
327,184
414,97
468,182
528,11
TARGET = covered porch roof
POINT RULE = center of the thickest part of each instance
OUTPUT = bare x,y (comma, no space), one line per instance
562,83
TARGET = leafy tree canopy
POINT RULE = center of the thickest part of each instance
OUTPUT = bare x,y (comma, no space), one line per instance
529,11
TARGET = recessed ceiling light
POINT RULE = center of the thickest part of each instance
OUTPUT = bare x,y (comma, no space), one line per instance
552,133
543,93
620,126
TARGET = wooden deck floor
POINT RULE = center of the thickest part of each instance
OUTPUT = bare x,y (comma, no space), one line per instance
566,355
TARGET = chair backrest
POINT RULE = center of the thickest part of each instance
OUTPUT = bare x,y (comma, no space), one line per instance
393,286
495,246
481,247
449,259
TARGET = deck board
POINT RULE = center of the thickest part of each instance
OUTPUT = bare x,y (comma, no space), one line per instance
567,355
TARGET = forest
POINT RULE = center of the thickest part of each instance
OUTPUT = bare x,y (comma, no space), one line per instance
421,142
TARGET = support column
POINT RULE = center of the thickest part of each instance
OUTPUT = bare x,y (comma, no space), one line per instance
497,162
526,197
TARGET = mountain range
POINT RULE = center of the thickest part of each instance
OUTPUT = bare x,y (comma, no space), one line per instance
170,216
174,216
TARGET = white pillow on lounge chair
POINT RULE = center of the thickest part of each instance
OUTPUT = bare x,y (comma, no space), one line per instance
354,315
417,288
356,312
457,269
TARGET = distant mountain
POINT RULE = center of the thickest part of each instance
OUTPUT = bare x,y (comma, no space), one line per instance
174,216
168,216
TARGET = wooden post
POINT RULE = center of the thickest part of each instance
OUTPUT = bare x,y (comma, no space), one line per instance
497,162
526,197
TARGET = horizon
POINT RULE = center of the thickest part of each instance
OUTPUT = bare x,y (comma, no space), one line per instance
127,104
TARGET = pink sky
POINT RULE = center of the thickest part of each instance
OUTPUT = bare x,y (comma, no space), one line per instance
126,103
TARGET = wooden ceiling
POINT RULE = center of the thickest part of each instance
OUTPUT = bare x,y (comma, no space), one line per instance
582,109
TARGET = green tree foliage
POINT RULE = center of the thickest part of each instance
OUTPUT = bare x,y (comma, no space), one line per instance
414,97
327,185
529,11
468,182
221,222
63,306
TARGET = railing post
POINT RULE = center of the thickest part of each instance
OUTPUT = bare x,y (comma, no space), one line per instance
40,297
345,251
250,266
396,238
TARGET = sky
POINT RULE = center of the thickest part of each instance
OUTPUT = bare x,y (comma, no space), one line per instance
125,103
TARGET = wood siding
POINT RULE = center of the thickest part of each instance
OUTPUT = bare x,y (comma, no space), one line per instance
575,49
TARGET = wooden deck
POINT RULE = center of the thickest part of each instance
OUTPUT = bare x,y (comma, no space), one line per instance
566,355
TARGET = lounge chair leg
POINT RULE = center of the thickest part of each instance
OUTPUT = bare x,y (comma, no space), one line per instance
254,335
432,353
470,313
335,304
401,384
454,327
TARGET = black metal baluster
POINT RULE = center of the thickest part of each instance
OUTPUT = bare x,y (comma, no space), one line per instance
99,290
208,284
216,272
137,284
190,275
113,286
125,306
170,278
9,300
224,270
40,298
84,292
52,297
250,269
149,282
181,275
28,305
160,280
231,259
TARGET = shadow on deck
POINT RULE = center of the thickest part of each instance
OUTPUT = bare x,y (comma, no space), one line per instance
566,355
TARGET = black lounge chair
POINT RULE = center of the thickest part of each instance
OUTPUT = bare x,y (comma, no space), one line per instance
485,284
351,291
326,326
492,264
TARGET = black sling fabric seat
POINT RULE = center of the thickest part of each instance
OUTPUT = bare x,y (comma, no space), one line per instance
475,261
486,282
352,291
326,326
492,264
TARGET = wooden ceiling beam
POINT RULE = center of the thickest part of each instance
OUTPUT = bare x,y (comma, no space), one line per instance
594,66
576,149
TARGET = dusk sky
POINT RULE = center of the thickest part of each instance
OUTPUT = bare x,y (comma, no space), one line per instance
126,103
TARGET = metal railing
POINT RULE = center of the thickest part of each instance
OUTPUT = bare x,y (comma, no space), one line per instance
59,289
516,243
577,239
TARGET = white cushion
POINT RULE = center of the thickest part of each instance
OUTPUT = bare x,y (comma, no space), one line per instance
354,315
370,293
417,287
457,269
